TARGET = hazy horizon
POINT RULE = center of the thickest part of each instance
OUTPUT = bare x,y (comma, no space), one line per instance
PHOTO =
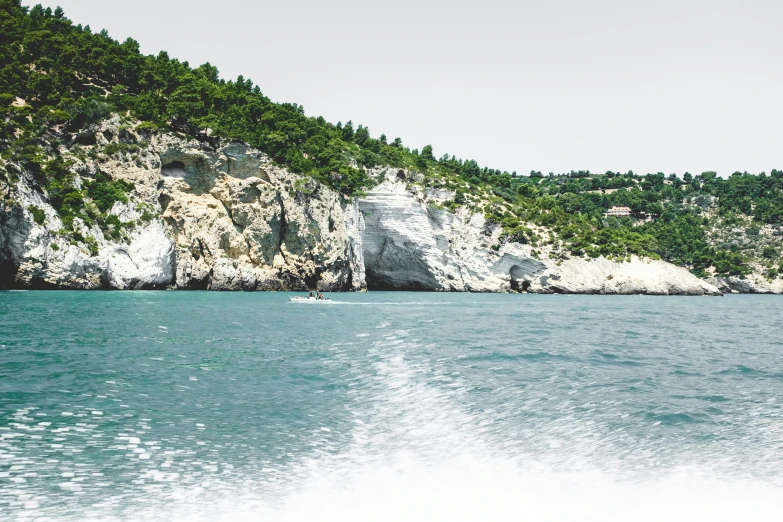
671,87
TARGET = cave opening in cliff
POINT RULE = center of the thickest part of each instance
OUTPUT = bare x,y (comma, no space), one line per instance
391,264
520,285
385,281
175,169
517,279
205,283
8,270
311,280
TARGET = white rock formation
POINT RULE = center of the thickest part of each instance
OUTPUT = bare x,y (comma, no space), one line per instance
601,276
240,223
224,217
44,259
412,245
754,284
147,261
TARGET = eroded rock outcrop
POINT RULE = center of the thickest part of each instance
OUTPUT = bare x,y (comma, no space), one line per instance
751,285
240,223
410,243
206,216
637,276
36,255
209,215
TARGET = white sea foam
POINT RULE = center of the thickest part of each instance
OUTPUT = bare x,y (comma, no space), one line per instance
416,456
475,489
417,451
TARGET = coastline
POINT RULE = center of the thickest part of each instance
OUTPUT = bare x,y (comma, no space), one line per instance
223,217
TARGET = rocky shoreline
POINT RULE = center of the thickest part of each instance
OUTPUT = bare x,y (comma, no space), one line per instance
221,216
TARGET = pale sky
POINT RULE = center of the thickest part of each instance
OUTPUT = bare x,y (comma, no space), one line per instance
550,85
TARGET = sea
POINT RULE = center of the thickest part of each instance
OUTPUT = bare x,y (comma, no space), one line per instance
389,406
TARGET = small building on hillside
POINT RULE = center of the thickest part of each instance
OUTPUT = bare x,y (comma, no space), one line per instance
618,211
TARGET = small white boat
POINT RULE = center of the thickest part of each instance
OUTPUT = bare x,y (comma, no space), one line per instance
311,300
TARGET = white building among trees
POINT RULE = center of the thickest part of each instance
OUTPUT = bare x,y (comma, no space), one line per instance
618,211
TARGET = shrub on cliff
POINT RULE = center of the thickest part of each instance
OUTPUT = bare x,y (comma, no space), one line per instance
38,214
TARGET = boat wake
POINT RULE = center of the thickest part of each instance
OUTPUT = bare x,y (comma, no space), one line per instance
415,455
418,449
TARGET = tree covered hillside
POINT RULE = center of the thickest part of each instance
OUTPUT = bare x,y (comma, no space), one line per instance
57,79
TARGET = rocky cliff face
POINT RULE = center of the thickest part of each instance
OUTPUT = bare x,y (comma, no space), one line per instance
638,276
205,216
36,255
411,243
240,223
754,284
221,216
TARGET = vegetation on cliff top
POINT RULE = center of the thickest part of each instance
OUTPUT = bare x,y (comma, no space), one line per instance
57,79
704,222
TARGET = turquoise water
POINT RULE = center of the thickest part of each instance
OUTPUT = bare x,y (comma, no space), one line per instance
389,406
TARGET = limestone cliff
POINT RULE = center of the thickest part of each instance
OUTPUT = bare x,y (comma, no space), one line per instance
637,276
410,242
751,284
206,214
